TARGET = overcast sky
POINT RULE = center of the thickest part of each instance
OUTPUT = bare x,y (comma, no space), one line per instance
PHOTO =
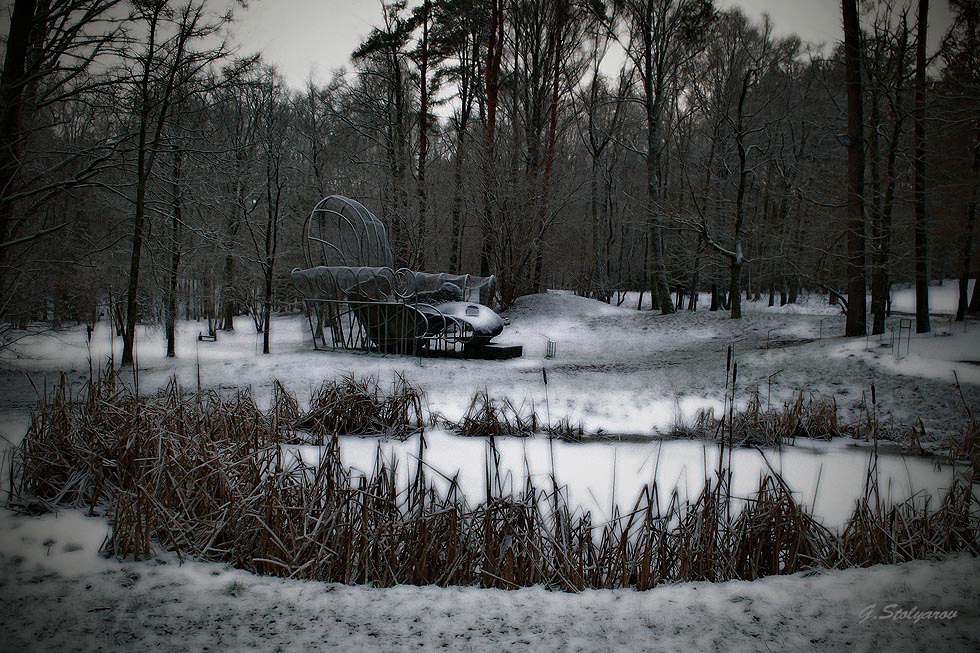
304,36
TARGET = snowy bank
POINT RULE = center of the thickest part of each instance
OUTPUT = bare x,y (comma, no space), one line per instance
95,604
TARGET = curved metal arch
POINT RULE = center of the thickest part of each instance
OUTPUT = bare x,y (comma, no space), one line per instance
342,232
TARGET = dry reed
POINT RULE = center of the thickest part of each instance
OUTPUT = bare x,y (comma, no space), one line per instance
362,407
756,426
486,417
215,478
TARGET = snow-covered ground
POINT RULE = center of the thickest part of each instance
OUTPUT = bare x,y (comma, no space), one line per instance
59,595
617,369
942,298
942,301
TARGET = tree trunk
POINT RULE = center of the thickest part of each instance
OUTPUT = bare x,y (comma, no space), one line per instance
267,312
880,272
735,290
455,236
921,235
175,236
692,305
229,307
878,290
595,281
423,197
129,333
273,208
495,48
856,293
654,86
966,259
657,268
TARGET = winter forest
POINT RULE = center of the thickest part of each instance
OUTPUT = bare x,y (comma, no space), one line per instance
150,169
634,325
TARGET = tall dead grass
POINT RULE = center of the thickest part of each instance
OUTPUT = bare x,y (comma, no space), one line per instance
486,416
758,426
215,478
362,407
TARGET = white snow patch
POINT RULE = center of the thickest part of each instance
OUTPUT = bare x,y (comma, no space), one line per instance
942,298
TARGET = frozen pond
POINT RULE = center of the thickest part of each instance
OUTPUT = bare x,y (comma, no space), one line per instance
827,475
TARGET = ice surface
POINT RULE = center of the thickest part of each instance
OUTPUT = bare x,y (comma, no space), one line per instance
826,475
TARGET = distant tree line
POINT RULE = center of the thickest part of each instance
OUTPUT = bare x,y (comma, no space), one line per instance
148,172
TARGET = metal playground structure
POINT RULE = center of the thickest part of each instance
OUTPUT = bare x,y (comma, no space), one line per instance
355,299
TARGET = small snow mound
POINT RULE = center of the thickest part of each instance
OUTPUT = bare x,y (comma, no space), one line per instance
562,305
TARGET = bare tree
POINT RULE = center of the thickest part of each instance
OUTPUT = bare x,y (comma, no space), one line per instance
51,51
237,125
748,57
661,36
458,35
886,72
961,54
164,67
383,57
601,111
274,144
